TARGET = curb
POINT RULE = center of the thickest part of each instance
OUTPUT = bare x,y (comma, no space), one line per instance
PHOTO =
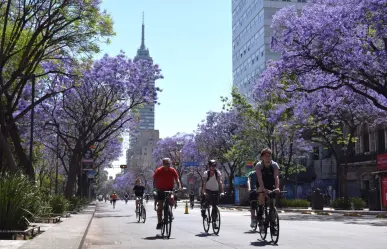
87,229
304,211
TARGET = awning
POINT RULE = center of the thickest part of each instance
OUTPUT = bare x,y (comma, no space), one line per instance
379,172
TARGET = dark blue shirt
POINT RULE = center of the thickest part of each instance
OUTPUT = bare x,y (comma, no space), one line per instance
253,180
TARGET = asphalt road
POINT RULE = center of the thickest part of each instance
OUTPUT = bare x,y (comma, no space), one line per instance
118,229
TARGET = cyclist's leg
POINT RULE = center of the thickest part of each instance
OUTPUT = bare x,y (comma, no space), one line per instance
160,203
261,202
203,204
214,195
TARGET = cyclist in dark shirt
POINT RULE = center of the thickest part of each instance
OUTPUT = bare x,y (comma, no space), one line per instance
268,179
138,190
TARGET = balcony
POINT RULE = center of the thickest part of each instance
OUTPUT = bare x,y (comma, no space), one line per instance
355,158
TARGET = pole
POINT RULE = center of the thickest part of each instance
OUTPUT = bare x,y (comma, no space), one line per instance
32,119
57,161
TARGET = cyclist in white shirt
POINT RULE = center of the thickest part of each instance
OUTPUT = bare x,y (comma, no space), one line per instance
212,184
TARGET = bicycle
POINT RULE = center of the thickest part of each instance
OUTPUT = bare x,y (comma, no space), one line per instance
208,219
140,211
254,204
271,218
167,215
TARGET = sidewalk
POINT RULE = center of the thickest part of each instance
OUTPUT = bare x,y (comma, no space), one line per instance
300,210
68,234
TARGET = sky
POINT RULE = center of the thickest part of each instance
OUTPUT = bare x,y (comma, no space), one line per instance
192,43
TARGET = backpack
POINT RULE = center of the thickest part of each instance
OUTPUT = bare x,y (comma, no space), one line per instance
208,175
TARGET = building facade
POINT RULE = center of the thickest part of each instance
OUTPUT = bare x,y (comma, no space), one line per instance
251,35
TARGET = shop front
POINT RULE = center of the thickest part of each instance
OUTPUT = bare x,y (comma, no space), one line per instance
382,176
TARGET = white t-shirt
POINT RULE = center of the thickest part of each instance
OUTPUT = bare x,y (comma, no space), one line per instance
212,183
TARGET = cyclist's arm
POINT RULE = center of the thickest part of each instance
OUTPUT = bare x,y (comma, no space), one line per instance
276,178
178,182
203,187
259,177
220,184
155,178
248,183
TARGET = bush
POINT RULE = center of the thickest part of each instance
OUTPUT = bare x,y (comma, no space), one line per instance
357,203
41,206
298,203
59,204
341,203
17,202
74,203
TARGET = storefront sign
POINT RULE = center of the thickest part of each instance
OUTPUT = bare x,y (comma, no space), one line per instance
382,162
384,191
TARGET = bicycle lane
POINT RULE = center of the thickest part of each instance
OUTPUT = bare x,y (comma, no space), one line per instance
118,228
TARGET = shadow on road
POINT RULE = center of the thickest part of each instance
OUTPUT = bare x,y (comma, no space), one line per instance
204,235
158,236
363,220
251,232
262,243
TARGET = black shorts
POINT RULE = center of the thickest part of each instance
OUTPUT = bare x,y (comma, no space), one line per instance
212,197
161,194
114,200
269,185
253,195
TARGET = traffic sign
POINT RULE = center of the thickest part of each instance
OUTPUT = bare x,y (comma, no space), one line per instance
191,164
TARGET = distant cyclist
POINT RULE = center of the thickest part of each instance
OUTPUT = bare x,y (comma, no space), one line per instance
114,198
138,191
252,188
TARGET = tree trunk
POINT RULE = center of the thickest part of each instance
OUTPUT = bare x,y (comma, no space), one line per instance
24,160
7,151
73,170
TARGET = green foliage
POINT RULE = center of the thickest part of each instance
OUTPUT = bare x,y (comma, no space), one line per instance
296,203
342,203
357,203
18,201
59,204
74,203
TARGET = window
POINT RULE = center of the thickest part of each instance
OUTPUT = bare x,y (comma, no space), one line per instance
372,141
366,138
316,151
381,141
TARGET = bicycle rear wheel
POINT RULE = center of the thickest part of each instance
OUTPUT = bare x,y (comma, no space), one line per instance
206,220
143,214
216,222
274,226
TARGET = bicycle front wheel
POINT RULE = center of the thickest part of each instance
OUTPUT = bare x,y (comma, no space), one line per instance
169,223
206,220
138,213
263,228
143,214
274,226
216,222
